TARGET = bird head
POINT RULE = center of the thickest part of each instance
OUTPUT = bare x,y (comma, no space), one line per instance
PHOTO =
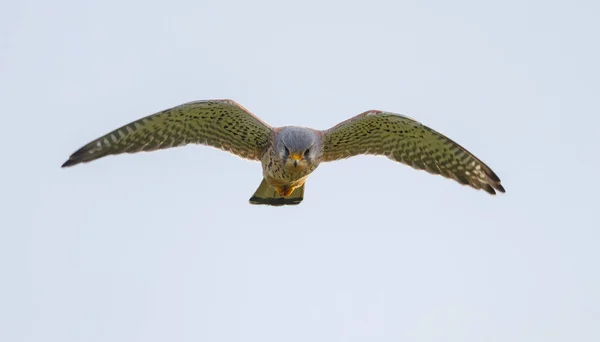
298,147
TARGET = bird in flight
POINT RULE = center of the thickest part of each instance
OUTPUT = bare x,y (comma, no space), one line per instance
289,154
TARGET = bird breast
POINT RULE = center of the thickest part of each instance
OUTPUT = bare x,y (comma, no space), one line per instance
280,173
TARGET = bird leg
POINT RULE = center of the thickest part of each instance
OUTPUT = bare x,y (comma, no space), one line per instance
280,191
284,191
288,191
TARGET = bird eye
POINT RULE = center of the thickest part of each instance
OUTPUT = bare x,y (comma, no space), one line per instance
307,151
286,150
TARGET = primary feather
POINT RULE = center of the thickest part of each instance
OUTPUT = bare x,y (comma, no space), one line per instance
223,124
405,140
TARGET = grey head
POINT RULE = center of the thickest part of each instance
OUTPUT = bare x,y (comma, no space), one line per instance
298,146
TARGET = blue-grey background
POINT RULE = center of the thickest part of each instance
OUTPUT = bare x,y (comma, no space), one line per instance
164,246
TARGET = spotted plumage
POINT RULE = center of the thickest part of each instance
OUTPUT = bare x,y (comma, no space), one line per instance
223,124
405,140
290,154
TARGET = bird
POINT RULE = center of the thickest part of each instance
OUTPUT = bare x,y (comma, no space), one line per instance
289,154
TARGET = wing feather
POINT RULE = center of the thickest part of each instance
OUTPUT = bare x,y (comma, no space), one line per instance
223,124
405,140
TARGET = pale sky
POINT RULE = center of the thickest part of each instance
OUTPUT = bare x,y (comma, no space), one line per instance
164,246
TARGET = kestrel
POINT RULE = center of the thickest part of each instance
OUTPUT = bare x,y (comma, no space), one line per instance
289,154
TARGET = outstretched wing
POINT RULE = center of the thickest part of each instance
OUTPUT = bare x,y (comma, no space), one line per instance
222,124
407,141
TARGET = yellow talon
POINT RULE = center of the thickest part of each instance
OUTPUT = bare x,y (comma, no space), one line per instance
285,191
288,191
280,191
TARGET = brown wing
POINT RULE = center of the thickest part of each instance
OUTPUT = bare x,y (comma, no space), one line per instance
407,141
222,124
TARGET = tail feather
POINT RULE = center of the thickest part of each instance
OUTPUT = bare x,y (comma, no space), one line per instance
267,195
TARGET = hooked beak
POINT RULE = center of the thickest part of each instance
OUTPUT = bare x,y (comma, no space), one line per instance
296,157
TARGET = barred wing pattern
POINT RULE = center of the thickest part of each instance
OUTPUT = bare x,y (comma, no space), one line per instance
223,124
407,141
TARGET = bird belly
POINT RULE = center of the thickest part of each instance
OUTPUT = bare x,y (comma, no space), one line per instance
275,181
285,187
285,181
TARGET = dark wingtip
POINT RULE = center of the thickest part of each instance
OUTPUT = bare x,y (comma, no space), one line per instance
277,202
495,180
491,188
488,188
69,162
500,188
493,176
